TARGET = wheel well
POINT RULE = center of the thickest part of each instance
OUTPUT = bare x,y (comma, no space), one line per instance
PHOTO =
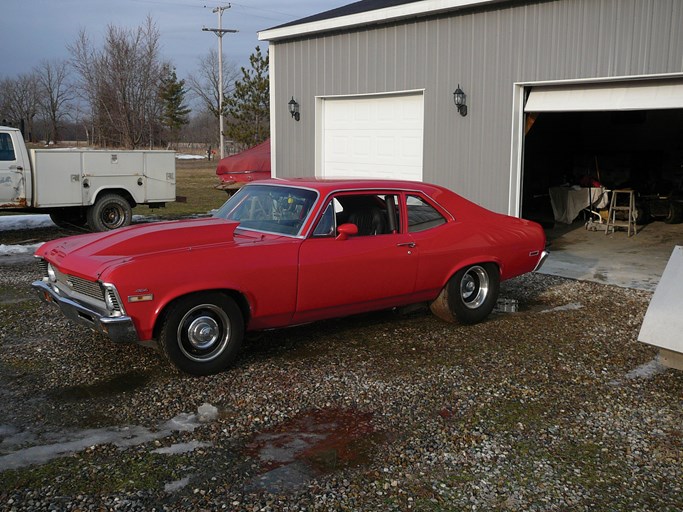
475,262
239,299
119,192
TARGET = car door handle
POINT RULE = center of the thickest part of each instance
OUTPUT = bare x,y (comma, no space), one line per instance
17,168
406,244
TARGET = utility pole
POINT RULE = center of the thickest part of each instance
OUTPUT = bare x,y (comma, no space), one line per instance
219,32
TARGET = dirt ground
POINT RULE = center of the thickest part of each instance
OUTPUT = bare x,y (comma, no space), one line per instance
554,406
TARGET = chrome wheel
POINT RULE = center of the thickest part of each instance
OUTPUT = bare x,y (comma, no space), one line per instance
203,332
474,287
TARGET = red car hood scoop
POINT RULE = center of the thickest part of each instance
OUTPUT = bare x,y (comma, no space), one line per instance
89,254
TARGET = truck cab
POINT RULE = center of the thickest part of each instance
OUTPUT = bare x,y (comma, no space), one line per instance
14,169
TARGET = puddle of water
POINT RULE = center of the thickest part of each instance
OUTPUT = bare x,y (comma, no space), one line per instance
124,383
312,444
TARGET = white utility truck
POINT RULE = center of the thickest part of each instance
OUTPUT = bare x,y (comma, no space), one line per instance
82,188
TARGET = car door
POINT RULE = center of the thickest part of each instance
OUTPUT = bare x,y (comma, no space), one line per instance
363,272
11,173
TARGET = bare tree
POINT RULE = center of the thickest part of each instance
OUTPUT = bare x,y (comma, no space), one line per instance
121,83
204,84
54,94
19,102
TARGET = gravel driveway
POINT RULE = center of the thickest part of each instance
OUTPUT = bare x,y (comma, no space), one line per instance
553,407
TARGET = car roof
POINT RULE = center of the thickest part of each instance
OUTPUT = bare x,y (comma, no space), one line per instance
453,203
327,185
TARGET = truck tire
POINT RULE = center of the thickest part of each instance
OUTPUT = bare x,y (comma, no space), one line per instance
69,218
675,215
110,211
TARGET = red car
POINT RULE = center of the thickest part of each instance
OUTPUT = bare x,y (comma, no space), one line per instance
285,252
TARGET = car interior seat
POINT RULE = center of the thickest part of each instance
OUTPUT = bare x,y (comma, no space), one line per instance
369,222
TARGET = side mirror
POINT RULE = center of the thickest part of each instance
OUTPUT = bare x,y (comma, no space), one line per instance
346,230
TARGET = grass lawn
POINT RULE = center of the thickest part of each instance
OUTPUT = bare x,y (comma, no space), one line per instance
195,180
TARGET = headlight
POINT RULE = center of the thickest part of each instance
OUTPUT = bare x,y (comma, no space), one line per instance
51,274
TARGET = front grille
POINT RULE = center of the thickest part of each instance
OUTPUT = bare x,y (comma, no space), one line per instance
42,265
80,285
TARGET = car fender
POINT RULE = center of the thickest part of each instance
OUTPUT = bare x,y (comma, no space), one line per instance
474,260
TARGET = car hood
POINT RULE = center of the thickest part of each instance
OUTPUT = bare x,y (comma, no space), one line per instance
88,255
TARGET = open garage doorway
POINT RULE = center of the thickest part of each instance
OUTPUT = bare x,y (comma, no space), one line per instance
641,150
583,142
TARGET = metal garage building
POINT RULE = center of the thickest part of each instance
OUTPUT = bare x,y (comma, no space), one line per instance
553,88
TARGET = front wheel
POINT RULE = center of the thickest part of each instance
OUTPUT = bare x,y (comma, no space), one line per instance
202,333
110,211
69,218
470,295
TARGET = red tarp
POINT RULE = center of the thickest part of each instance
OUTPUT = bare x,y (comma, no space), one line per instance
249,165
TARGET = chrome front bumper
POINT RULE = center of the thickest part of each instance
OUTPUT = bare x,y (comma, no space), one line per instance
120,329
544,256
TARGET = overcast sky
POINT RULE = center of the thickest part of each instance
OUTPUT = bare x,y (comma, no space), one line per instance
34,30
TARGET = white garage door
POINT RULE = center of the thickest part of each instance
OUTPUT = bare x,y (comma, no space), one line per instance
640,95
373,137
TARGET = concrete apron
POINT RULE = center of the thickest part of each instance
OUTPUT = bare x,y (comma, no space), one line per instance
616,259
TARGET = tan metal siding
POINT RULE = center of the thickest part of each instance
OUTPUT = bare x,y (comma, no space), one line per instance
485,52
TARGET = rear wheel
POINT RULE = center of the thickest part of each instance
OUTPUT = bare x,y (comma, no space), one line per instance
201,334
110,211
675,215
470,295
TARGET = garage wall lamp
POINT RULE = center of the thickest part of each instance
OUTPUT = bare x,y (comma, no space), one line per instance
294,108
460,100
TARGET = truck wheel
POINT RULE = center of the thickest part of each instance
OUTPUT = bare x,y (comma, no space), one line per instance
470,295
202,333
642,213
71,218
110,211
675,215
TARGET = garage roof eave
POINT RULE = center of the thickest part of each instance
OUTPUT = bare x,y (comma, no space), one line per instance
377,16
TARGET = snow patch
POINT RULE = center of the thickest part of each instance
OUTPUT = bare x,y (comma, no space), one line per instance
13,222
177,485
11,250
59,444
178,448
573,306
647,370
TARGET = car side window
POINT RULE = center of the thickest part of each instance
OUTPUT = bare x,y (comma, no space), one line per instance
6,148
373,214
422,215
326,225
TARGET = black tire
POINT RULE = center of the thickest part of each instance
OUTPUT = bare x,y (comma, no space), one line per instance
69,218
675,215
110,211
201,334
642,214
473,292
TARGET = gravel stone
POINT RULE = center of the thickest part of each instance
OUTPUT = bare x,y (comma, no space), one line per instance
556,406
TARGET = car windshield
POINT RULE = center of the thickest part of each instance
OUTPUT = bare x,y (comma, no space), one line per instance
269,208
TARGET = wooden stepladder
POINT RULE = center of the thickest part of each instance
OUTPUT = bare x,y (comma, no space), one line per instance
618,206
